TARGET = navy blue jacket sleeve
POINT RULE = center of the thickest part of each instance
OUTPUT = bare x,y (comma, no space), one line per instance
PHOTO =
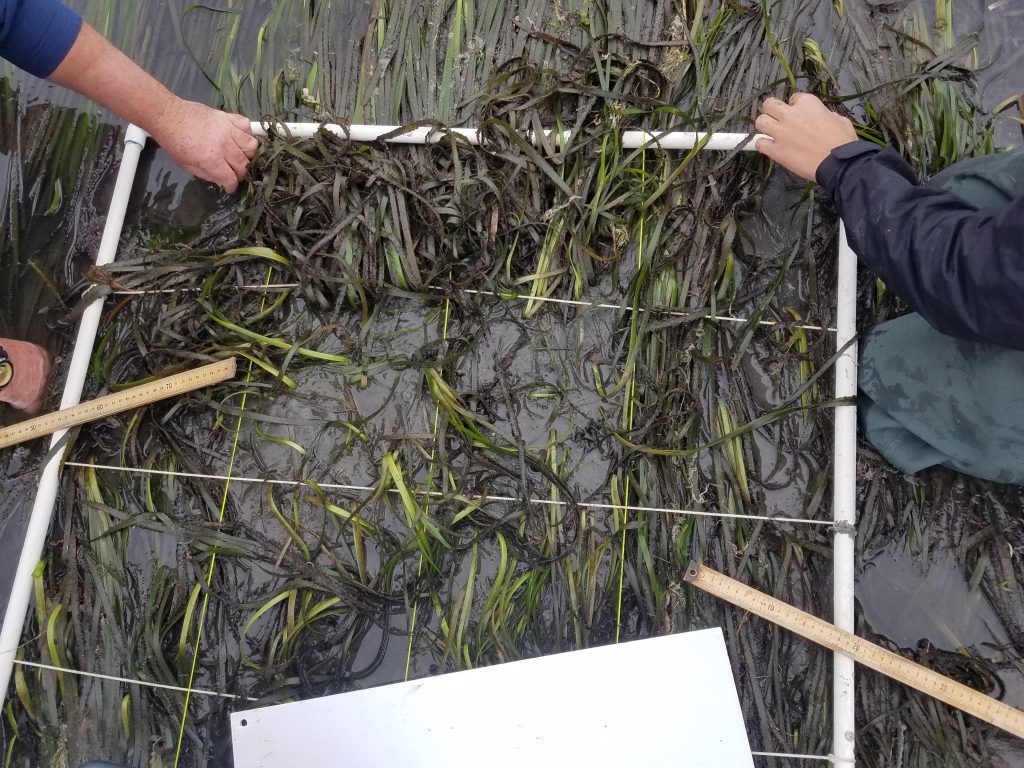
959,267
36,35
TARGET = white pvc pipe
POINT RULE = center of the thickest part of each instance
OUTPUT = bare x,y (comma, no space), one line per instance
630,139
844,461
844,504
46,496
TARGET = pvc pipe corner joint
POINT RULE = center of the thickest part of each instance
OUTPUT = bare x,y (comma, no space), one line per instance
135,135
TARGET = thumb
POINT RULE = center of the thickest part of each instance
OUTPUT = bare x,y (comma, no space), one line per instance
767,147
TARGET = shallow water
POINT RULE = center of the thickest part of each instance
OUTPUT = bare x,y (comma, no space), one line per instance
172,205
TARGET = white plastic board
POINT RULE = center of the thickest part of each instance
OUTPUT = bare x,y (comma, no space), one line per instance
667,701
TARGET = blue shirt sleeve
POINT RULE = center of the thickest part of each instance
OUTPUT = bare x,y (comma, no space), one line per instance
960,267
36,35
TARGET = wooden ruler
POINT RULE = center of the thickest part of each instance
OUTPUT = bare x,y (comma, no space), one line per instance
860,650
118,402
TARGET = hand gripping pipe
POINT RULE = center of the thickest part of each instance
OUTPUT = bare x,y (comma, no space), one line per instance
49,480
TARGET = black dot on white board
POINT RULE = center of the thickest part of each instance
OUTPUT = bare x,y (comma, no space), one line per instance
243,722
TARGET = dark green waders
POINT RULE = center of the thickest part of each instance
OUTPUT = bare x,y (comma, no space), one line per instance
931,400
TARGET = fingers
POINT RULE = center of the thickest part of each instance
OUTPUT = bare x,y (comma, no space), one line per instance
805,101
237,152
774,112
242,134
238,162
766,124
766,147
246,142
225,176
240,122
225,170
230,168
777,108
774,107
242,137
800,135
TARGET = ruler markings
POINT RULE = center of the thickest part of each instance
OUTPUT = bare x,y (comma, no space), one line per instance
118,402
862,651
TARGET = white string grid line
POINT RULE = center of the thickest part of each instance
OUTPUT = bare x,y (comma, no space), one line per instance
129,681
522,297
437,494
235,697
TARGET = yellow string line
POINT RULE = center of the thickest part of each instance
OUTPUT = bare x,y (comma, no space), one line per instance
213,556
430,481
629,427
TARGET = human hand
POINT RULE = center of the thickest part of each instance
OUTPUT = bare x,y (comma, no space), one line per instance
32,366
213,145
803,133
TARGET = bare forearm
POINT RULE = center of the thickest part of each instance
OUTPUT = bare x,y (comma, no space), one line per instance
211,144
98,70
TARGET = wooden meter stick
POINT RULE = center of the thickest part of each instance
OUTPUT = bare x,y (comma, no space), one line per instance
860,650
118,402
